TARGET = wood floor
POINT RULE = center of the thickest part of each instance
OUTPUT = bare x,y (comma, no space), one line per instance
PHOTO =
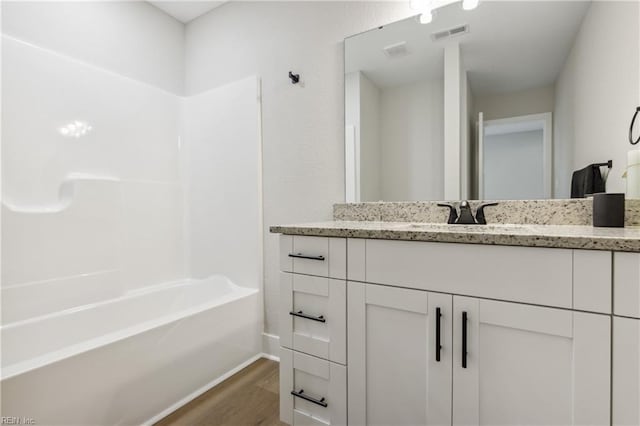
249,397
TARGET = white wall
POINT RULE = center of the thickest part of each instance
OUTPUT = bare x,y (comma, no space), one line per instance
514,166
563,132
362,124
452,123
352,136
303,125
412,149
533,101
370,155
597,92
465,142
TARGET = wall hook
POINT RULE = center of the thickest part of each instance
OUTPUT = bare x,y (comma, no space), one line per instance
295,78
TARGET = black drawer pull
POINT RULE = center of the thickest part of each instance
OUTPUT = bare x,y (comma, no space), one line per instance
301,394
304,256
464,339
301,314
438,343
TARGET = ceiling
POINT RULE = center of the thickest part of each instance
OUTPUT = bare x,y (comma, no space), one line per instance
186,10
511,46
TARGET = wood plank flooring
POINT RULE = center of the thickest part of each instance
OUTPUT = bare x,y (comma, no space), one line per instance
249,397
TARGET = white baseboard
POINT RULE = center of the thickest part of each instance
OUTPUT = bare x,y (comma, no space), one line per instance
271,346
203,389
271,357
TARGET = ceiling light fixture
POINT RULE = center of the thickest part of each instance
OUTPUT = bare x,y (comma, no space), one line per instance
469,4
418,4
426,17
428,7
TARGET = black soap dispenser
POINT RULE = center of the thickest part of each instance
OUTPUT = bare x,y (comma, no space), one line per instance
608,210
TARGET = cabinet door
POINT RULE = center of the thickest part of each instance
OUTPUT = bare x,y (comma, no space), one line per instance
626,371
528,365
396,376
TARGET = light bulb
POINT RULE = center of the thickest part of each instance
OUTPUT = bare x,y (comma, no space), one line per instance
469,4
426,17
418,4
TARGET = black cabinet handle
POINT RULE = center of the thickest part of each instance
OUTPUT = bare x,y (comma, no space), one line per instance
301,314
301,394
464,339
304,256
438,345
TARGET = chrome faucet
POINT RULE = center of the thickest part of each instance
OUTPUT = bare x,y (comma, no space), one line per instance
466,216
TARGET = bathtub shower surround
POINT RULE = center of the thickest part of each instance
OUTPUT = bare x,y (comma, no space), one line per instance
224,175
123,207
124,272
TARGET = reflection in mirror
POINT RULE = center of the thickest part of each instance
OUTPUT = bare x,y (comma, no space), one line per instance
505,101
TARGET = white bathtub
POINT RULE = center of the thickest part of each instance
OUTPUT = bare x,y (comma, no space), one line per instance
128,360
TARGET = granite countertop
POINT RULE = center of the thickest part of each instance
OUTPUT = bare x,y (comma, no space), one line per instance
556,236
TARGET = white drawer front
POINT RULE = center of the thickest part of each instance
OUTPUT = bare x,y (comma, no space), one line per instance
313,316
319,380
325,257
520,274
626,284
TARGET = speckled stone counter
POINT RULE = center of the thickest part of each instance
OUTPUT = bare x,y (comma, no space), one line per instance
556,236
534,212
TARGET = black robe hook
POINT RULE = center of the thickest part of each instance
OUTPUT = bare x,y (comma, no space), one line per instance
295,78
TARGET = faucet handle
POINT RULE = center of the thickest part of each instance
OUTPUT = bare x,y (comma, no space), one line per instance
480,219
453,214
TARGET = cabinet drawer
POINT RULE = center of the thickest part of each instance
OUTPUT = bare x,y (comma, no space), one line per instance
324,257
313,315
320,389
520,274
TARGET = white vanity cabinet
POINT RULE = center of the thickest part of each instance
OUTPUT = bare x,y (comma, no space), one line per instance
400,355
413,355
626,340
456,334
521,364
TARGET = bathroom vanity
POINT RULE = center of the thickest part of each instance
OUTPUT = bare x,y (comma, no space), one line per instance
433,324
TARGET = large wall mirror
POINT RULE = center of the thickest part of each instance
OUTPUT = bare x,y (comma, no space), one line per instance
505,101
